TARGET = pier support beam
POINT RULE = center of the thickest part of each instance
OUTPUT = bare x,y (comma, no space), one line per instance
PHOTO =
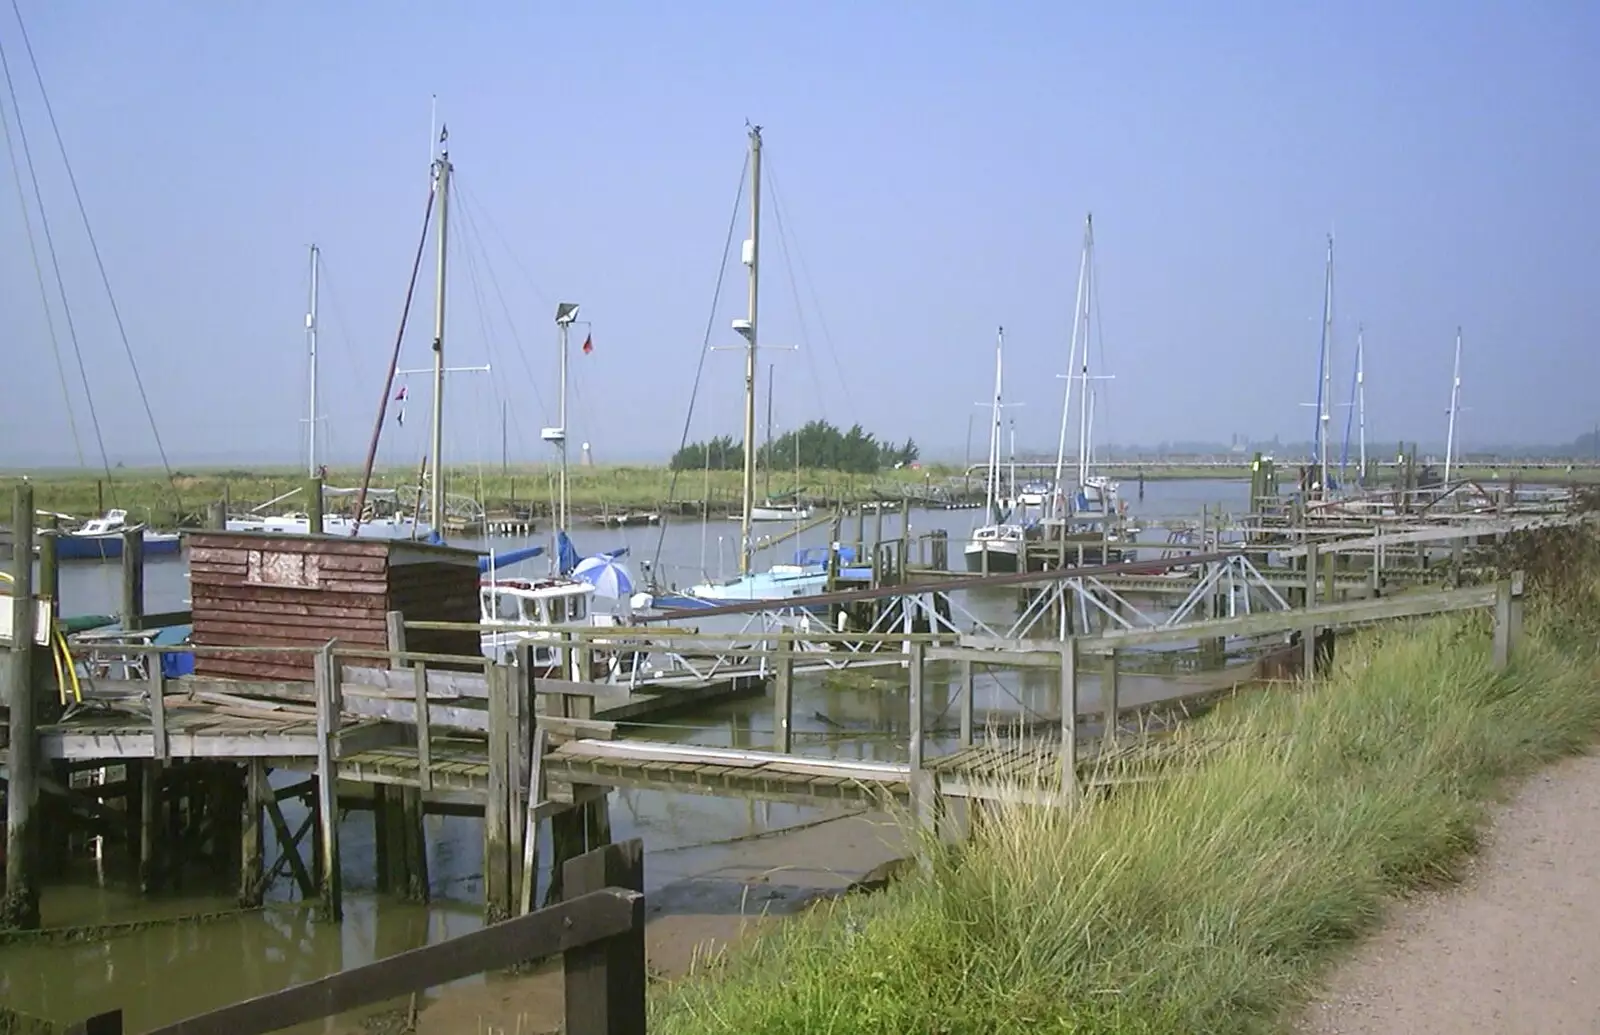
252,878
19,908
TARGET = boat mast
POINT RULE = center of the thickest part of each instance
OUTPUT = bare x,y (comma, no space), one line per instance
1072,360
1083,400
442,187
1361,402
311,347
1455,406
993,481
1325,388
768,489
747,327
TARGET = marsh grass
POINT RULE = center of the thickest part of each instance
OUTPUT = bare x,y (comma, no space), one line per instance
1204,902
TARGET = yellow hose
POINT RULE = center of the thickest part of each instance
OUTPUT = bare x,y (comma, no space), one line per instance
61,655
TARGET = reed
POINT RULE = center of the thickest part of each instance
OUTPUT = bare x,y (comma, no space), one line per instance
1209,900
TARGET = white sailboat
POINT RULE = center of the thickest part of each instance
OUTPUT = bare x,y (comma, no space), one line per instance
806,576
997,546
1095,495
387,519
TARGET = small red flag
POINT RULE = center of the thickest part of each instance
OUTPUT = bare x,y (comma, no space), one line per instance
588,344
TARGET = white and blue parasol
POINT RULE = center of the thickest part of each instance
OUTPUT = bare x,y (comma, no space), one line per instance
607,575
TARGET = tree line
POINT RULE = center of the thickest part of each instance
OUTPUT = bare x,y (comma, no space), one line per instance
817,445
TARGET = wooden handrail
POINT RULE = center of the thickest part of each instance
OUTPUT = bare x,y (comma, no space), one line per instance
599,932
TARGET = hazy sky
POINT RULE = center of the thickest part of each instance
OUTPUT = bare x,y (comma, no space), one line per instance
932,161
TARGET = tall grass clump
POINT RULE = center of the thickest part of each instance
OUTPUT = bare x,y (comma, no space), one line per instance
1206,901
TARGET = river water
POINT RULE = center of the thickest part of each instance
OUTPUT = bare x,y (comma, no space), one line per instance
164,972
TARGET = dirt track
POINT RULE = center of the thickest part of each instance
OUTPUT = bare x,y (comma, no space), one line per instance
1515,948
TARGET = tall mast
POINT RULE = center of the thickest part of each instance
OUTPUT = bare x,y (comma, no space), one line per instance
561,418
768,489
436,449
1455,406
311,348
1072,355
747,327
993,485
1325,389
1361,402
1083,399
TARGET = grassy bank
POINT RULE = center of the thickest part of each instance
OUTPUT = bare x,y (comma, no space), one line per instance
150,496
1208,902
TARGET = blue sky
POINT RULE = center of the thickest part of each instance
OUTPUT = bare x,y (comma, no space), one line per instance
932,162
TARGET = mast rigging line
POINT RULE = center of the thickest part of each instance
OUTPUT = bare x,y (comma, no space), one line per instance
794,289
94,247
33,254
55,263
705,348
394,364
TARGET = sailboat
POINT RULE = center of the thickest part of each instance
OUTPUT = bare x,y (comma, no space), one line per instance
997,546
808,575
778,508
386,521
1095,495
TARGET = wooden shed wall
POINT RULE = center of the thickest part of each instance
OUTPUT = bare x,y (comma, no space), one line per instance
254,590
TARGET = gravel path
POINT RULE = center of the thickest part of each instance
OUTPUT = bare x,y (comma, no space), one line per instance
1515,948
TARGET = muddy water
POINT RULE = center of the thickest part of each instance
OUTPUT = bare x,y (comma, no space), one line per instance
705,855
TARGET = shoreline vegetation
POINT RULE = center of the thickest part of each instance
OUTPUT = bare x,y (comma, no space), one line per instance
528,490
1211,900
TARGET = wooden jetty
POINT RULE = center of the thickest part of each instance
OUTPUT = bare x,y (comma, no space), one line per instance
377,723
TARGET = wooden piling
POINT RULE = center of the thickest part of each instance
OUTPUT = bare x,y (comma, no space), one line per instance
1069,717
151,785
1308,639
133,579
19,908
783,699
914,731
314,503
326,678
1110,696
605,980
252,842
968,705
217,516
496,819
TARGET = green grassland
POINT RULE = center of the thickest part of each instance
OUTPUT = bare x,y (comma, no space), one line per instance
1210,901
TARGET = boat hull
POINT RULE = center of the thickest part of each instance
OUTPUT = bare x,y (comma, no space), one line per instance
109,547
996,557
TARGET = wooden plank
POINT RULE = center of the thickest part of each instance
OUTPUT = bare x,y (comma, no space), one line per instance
587,919
158,713
530,834
496,816
1020,658
327,784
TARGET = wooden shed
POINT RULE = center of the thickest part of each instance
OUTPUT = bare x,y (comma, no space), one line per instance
258,589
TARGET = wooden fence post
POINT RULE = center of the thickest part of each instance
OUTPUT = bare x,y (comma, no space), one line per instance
967,704
914,733
1069,716
1507,618
605,981
783,699
1110,697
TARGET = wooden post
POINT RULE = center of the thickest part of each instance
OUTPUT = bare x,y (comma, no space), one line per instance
967,704
314,504
152,778
923,787
914,733
156,683
1069,717
252,882
133,579
1110,694
1503,623
216,516
326,678
19,908
783,699
605,981
530,836
496,832
1309,636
